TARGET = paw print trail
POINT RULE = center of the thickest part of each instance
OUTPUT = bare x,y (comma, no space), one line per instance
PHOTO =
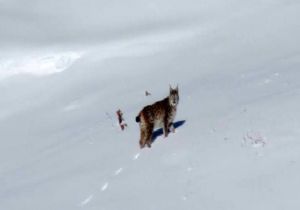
104,187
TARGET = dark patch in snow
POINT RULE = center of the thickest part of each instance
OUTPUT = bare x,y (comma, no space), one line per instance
159,132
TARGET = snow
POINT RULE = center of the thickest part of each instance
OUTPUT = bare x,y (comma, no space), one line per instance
48,63
236,144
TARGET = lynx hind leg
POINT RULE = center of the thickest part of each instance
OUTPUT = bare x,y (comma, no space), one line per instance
150,128
143,137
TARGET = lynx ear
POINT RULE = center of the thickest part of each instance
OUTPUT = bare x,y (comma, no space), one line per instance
176,88
170,88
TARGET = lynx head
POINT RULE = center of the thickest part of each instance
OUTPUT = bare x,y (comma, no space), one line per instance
174,96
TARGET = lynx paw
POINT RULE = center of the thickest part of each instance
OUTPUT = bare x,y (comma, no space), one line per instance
142,146
172,128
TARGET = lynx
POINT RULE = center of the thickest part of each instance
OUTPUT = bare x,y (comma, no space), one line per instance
158,115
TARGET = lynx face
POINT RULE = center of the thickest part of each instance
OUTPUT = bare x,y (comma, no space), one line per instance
173,97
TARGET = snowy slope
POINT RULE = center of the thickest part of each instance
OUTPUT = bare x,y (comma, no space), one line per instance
237,66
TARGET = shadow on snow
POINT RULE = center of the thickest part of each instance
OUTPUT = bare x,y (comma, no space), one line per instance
160,132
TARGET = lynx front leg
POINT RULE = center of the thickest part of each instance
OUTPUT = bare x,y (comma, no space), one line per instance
166,128
171,127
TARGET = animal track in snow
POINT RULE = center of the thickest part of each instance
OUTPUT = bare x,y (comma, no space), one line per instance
106,184
87,200
184,198
104,187
267,81
189,169
136,156
255,139
213,130
117,172
71,107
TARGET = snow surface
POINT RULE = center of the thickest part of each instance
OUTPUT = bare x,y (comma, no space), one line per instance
67,67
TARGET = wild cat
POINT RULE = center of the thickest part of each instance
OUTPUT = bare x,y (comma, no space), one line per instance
159,114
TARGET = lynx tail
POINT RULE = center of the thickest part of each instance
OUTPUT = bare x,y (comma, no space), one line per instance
138,119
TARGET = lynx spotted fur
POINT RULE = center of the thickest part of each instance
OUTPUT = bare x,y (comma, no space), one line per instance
158,115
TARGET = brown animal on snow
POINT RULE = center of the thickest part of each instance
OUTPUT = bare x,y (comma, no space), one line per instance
158,115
